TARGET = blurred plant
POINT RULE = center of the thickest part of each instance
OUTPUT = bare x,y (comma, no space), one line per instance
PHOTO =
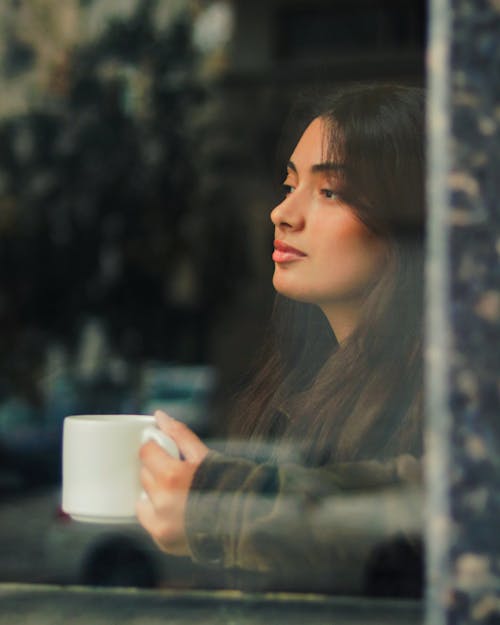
94,194
128,195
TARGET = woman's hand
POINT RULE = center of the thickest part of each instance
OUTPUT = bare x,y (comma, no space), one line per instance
166,482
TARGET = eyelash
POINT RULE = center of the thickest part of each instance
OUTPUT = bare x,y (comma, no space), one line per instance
329,194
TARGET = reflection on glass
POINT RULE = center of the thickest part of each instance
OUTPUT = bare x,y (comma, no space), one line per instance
136,275
337,397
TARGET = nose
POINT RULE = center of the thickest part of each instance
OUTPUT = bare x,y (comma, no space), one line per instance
288,215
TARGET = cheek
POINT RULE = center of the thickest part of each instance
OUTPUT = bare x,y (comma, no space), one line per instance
352,232
355,253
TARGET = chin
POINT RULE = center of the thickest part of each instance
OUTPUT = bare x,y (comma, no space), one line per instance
287,290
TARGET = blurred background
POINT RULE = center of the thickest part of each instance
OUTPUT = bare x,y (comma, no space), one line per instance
139,161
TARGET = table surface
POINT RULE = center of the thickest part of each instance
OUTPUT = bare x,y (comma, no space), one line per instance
25,604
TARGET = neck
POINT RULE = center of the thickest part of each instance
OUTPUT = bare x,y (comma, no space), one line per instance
343,318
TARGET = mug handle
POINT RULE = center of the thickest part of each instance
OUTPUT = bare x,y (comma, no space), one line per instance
152,433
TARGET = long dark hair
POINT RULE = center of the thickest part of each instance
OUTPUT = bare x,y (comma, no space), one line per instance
362,399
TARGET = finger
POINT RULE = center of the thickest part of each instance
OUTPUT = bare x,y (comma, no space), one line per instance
156,459
163,420
146,514
163,534
191,446
153,492
148,481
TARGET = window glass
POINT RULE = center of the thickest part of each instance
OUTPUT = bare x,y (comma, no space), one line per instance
139,170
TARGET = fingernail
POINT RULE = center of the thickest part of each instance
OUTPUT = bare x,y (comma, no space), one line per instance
161,416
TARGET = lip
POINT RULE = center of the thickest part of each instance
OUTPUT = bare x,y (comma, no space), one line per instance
284,253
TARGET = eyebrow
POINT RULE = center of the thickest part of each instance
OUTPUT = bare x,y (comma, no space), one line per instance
319,167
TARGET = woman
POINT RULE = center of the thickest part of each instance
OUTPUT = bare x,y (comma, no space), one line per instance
333,418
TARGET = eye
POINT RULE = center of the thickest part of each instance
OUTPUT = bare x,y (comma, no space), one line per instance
329,194
288,189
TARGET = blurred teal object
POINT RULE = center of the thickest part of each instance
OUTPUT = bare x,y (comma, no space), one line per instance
16,412
183,391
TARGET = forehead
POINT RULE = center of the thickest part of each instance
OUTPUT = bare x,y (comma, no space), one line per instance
319,150
310,148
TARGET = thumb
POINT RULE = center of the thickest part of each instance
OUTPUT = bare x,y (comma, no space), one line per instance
192,448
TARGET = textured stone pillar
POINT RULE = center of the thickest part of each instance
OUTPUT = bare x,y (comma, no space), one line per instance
463,381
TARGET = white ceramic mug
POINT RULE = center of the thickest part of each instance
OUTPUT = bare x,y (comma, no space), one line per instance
101,465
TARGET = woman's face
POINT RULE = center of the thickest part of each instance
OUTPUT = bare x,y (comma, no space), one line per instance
323,253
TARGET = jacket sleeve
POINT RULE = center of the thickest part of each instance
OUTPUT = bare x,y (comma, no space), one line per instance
304,527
